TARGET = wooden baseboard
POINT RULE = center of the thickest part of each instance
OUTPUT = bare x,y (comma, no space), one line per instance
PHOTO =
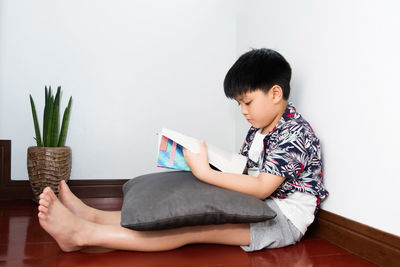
98,188
367,242
14,189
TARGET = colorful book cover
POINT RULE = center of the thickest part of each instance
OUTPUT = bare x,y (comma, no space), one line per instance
170,155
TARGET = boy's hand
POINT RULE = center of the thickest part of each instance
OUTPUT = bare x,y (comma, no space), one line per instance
198,162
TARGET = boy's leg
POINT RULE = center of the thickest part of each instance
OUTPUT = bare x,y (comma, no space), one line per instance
82,210
73,233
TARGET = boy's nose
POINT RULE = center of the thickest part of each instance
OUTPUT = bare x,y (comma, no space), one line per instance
244,110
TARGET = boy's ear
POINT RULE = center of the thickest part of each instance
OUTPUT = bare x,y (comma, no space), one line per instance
277,93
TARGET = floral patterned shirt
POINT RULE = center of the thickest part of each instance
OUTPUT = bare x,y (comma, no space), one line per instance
291,150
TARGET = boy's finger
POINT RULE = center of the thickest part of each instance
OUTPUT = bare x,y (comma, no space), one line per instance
203,145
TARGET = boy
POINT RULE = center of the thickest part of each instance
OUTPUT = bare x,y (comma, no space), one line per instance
284,168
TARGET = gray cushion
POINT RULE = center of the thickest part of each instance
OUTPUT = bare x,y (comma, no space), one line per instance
174,199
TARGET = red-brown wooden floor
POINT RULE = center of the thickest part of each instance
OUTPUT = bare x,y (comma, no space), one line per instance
24,243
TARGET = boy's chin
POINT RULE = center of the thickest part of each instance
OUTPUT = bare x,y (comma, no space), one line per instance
254,125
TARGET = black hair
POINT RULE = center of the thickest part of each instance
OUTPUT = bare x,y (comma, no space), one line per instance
258,69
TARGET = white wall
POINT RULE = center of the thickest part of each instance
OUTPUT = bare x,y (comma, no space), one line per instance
345,57
122,61
132,68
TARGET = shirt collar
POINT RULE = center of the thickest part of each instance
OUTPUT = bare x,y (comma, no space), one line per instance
288,115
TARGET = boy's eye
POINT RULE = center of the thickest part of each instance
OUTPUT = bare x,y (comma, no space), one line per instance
246,103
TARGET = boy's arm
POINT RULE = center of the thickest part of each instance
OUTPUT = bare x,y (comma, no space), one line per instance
261,187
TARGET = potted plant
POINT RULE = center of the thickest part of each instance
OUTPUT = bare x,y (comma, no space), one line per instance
50,161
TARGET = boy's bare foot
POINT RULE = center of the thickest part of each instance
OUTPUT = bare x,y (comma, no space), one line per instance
68,230
74,204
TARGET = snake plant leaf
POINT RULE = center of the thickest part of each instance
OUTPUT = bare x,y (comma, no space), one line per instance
45,116
46,119
46,94
54,123
49,120
36,123
64,125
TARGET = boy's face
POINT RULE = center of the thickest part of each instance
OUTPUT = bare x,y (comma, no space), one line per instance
262,110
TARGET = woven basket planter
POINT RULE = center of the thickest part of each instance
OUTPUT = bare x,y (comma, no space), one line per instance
47,166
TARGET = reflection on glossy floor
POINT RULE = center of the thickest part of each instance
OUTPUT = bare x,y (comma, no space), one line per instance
24,243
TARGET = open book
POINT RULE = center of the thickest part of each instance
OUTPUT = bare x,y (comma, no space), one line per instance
170,154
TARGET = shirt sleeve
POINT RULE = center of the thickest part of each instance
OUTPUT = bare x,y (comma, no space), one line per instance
288,156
